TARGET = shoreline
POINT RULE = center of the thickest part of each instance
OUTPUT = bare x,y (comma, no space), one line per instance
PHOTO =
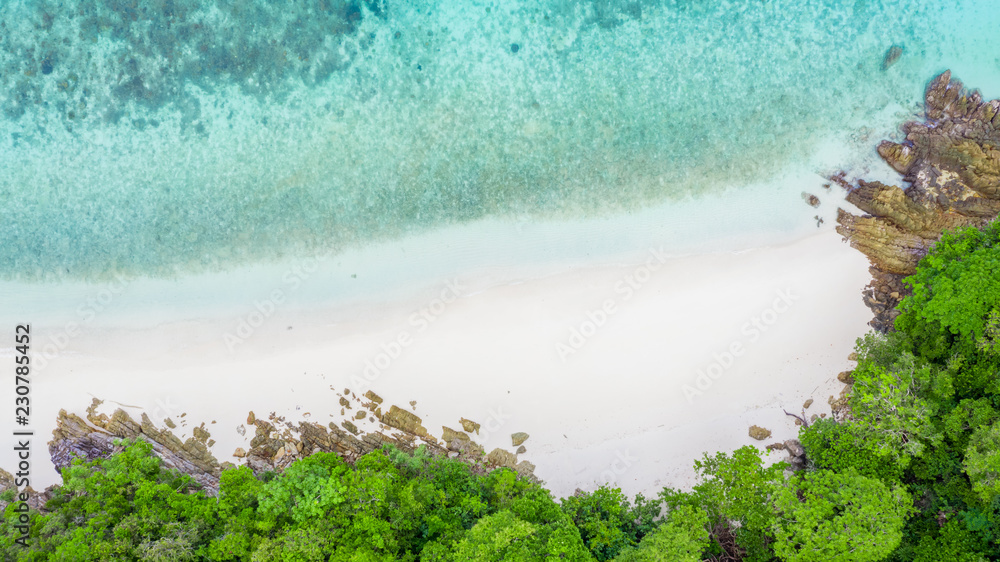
493,353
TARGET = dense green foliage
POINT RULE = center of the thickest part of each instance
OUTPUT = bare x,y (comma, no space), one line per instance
608,522
910,473
955,289
386,506
826,515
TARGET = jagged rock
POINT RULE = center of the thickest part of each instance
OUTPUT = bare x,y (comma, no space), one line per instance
520,450
270,450
74,437
455,440
469,426
890,249
241,429
251,418
373,397
407,421
525,468
775,447
122,425
500,457
345,402
805,406
759,433
810,199
360,415
6,480
952,163
259,465
846,377
100,420
201,433
518,438
794,448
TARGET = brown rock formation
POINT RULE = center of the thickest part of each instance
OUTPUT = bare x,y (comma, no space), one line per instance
74,437
469,426
406,421
501,457
275,444
952,162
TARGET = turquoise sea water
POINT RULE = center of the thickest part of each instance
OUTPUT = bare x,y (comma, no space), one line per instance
168,137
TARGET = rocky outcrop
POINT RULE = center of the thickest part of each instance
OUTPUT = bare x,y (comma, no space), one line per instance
951,161
75,437
276,443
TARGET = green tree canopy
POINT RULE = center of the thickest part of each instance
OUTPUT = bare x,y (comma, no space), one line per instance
825,515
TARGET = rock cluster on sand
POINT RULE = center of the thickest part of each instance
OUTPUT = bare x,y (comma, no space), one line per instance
276,443
952,162
73,436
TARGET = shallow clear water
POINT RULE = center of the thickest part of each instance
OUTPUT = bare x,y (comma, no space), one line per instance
183,136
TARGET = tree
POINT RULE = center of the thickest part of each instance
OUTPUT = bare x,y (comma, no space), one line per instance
124,507
682,537
608,522
504,536
845,445
825,515
955,289
952,542
735,493
896,405
237,510
982,462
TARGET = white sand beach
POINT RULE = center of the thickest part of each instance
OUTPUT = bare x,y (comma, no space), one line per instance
621,372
